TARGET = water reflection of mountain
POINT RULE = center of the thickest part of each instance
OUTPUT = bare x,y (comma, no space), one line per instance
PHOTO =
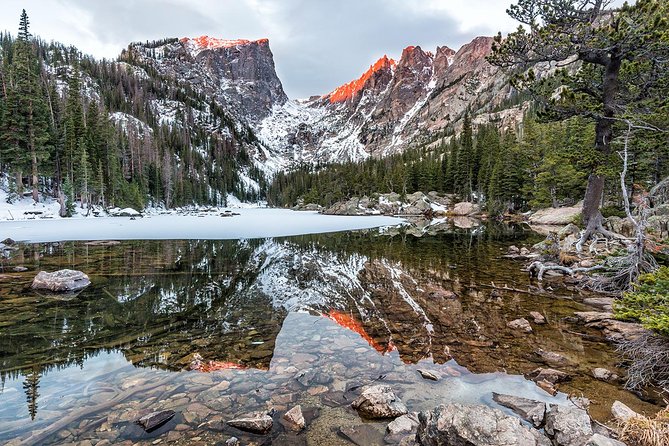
162,301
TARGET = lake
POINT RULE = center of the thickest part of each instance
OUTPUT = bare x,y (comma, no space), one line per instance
279,321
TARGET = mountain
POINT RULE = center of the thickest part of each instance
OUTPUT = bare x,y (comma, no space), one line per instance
394,105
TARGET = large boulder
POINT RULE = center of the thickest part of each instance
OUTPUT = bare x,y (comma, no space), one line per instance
568,425
379,402
556,216
462,425
466,208
63,281
529,410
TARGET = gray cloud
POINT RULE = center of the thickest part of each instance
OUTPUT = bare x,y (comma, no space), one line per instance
318,44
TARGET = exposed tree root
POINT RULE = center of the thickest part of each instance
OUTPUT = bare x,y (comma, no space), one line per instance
538,269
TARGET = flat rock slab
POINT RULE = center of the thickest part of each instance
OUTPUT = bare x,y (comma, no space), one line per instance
154,420
379,401
257,423
529,410
63,281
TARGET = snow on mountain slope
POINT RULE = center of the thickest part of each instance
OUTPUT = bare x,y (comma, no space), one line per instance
394,105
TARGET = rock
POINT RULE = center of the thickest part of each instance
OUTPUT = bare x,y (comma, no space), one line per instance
232,441
570,229
538,317
361,435
404,424
605,303
293,419
466,208
553,358
379,402
257,423
568,425
547,387
550,375
622,413
604,374
19,269
588,317
601,440
521,324
556,216
65,280
127,212
513,250
8,242
426,374
529,410
462,425
154,420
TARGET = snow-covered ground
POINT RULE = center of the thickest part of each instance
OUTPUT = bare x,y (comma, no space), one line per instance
251,223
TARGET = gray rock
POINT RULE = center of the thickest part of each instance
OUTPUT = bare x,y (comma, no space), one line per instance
426,374
293,419
154,420
257,423
622,413
601,440
232,441
538,317
379,402
550,375
603,374
65,280
529,410
556,216
466,208
404,424
521,324
462,425
553,358
568,425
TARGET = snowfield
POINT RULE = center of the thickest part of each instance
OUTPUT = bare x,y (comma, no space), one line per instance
251,223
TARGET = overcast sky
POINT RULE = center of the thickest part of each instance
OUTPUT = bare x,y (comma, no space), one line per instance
317,44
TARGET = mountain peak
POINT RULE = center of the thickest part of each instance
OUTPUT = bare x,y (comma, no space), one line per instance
347,91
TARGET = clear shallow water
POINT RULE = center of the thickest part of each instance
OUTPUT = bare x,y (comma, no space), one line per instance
305,318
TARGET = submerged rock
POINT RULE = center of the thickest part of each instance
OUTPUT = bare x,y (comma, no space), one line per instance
462,425
529,410
521,324
603,374
550,375
622,413
426,374
65,280
257,423
379,402
361,435
568,425
293,419
154,420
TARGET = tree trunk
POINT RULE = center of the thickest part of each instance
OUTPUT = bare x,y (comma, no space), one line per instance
19,184
603,136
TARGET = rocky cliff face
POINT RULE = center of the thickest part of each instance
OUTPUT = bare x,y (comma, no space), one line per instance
392,106
238,74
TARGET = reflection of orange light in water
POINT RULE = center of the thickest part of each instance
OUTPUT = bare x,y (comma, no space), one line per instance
214,366
347,321
349,90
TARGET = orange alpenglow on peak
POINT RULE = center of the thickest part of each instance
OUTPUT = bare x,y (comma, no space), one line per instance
207,42
347,91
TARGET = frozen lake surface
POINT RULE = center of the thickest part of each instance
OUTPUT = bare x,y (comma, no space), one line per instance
251,223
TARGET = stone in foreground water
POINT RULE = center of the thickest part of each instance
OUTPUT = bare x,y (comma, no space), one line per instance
65,280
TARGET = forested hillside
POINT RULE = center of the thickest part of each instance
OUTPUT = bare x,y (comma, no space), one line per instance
78,129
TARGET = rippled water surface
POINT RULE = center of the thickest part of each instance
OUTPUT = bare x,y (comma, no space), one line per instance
286,321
